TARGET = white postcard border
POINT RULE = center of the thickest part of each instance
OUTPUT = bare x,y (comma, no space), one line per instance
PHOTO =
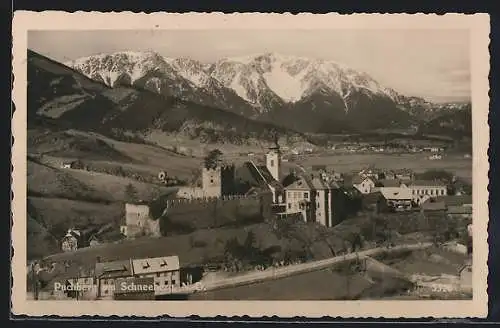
478,24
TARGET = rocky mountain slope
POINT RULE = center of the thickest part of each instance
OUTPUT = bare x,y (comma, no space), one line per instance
310,95
65,96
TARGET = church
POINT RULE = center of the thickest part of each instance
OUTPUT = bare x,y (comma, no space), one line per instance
312,197
248,178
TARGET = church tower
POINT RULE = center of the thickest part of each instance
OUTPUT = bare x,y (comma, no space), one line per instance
273,160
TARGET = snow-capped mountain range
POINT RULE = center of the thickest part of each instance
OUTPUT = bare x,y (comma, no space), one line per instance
263,86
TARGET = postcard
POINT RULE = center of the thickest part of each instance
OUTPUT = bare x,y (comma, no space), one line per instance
250,164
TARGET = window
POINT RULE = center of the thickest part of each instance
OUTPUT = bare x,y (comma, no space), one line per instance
158,274
272,162
211,180
432,192
173,282
442,192
165,282
289,205
289,194
306,195
317,193
157,283
105,291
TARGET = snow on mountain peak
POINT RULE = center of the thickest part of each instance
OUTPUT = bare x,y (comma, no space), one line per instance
261,79
290,78
110,68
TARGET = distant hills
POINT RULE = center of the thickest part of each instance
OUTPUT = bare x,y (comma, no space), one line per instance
65,97
234,100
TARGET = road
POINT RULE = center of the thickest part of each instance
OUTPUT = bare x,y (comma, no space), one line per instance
281,272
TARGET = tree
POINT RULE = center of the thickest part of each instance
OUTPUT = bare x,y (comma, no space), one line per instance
213,159
131,193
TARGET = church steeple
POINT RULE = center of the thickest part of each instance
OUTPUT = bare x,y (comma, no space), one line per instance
273,159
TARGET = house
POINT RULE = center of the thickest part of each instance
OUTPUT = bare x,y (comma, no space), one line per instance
319,200
66,165
389,183
165,272
321,196
138,221
298,197
397,198
373,173
94,241
465,274
420,188
266,177
82,284
70,241
108,272
364,185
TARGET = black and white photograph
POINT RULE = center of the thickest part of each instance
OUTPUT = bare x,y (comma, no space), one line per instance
253,164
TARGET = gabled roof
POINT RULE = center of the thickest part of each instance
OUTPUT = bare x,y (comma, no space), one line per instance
268,177
262,176
318,183
427,183
113,269
157,264
302,183
357,179
395,193
333,185
389,182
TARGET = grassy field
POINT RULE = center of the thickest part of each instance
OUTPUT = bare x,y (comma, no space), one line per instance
115,186
213,241
68,213
317,285
418,162
433,261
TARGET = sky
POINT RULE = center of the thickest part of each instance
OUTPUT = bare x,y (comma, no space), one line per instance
433,64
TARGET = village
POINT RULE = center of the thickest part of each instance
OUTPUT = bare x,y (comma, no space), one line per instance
258,191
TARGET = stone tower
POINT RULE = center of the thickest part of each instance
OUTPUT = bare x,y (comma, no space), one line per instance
211,182
273,160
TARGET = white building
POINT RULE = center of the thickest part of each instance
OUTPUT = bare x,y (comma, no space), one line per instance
164,270
421,190
273,161
364,185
